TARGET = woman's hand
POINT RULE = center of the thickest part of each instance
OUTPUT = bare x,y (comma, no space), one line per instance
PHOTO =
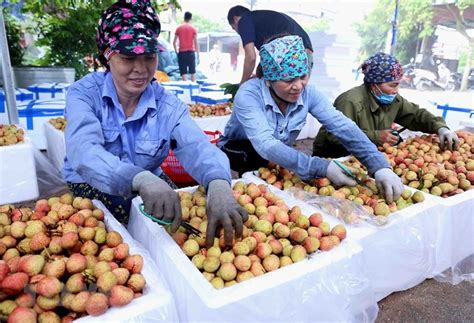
223,209
386,136
159,199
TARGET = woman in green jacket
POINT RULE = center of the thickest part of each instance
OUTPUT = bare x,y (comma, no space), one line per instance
376,104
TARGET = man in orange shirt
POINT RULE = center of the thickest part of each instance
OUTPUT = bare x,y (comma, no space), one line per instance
188,47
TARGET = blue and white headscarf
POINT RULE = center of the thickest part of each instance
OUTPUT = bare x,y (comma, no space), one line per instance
381,68
284,59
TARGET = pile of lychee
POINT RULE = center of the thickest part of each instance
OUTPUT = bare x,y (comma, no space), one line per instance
11,135
421,164
58,123
60,263
207,110
372,201
274,236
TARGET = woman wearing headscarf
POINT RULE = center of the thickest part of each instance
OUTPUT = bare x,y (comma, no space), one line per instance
376,104
270,111
122,124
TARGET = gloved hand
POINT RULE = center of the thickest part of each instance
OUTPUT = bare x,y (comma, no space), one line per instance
222,208
386,136
337,176
389,184
446,135
158,198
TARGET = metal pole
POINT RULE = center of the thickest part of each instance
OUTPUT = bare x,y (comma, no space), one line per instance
394,29
9,88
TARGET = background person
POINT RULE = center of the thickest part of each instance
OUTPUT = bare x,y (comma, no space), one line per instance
269,113
121,126
376,104
188,47
256,27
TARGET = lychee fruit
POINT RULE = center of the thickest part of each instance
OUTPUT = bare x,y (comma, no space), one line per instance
120,295
97,304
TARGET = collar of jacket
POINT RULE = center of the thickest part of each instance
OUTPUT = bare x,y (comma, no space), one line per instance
373,104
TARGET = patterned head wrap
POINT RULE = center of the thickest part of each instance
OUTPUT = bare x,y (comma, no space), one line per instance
381,68
129,27
284,59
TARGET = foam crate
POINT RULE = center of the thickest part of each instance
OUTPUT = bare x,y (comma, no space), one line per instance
190,88
179,92
212,123
156,304
211,97
404,249
34,114
55,145
21,96
332,284
49,90
18,181
212,88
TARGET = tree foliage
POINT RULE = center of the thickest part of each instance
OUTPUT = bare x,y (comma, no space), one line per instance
67,28
204,25
13,30
414,22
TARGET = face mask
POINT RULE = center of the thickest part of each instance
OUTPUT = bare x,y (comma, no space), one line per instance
383,98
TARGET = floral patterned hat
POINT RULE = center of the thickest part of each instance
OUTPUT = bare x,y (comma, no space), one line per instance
129,27
381,68
284,58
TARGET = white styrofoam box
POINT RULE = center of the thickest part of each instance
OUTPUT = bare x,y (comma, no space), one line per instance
211,97
55,145
21,96
404,249
18,181
332,284
156,304
455,230
310,129
175,90
34,114
212,123
468,123
212,88
205,83
49,90
190,88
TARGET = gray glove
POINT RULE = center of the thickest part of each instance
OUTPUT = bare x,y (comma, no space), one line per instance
446,135
337,176
389,184
223,209
158,198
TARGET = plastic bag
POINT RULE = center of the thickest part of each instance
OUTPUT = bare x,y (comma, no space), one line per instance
50,180
345,210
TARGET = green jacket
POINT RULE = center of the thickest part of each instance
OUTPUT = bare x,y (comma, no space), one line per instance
359,105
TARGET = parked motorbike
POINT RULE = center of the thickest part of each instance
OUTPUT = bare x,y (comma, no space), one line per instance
427,80
409,79
457,77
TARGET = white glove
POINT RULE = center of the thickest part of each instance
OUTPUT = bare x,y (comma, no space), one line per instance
158,198
389,184
446,135
337,176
